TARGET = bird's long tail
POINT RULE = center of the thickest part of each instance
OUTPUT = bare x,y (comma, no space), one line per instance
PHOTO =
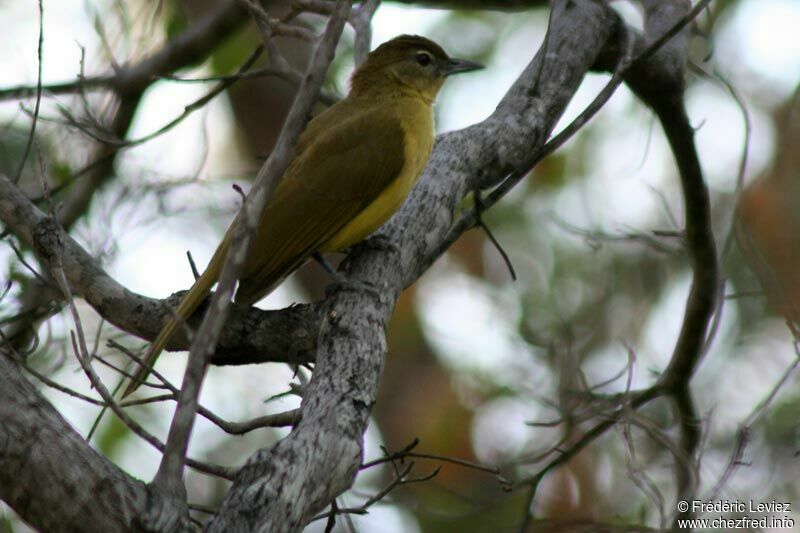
189,303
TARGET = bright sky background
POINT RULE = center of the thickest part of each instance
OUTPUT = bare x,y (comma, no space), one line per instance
759,49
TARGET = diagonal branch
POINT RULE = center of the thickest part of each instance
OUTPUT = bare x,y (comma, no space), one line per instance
51,477
252,336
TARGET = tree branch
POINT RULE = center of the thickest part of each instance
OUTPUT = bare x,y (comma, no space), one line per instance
499,5
251,336
46,465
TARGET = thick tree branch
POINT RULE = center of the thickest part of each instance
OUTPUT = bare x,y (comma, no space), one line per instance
46,464
252,335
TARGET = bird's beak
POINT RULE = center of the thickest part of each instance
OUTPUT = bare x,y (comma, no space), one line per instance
455,65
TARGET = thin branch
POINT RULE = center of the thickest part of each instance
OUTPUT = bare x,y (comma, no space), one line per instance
401,478
189,109
361,20
743,433
32,133
54,89
288,75
637,474
407,452
654,239
192,265
43,378
625,64
282,419
479,222
270,26
686,467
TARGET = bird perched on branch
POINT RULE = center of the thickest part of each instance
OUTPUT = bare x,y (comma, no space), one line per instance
353,167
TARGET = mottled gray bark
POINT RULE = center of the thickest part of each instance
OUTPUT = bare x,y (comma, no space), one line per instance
52,478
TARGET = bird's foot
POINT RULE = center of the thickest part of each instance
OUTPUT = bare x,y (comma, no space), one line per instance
382,243
324,263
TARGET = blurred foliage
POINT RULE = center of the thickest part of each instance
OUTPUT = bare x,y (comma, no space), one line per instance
111,437
781,428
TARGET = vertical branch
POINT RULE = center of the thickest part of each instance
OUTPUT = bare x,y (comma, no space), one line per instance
664,94
168,477
361,20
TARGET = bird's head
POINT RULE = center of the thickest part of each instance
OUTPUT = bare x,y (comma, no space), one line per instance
408,63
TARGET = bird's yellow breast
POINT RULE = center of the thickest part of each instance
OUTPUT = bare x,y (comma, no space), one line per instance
417,123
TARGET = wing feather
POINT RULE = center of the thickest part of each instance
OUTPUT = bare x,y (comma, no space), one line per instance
346,165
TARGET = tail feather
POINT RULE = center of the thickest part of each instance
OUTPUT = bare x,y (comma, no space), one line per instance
188,305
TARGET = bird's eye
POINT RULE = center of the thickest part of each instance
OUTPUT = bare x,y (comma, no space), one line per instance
424,59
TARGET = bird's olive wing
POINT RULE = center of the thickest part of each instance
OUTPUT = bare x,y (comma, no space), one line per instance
344,162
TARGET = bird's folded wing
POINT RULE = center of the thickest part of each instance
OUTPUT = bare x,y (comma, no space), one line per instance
343,163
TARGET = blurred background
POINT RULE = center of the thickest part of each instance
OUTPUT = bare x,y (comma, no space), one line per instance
480,368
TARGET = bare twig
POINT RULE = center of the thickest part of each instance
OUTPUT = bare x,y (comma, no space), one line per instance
479,222
49,241
43,378
625,64
407,452
270,26
32,134
282,419
288,75
195,272
401,478
655,239
743,433
103,137
640,478
361,20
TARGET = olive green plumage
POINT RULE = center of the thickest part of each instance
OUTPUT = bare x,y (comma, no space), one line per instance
353,167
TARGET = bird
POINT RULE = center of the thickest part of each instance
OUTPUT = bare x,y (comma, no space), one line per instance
353,167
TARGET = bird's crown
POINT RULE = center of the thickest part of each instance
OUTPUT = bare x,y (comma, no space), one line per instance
394,51
402,46
409,64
